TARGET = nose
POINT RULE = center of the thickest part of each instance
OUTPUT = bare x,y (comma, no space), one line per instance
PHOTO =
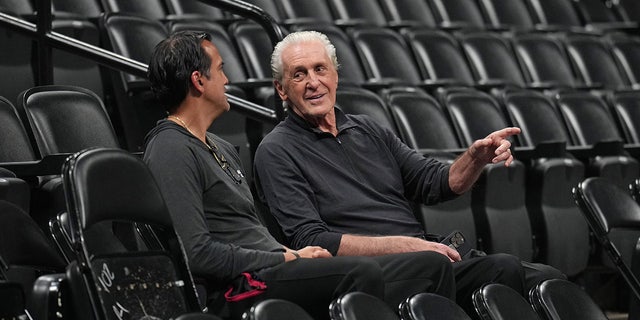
312,80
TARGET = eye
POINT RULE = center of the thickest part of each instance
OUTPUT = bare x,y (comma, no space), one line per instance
320,69
298,76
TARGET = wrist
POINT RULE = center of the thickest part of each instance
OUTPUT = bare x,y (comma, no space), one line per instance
295,254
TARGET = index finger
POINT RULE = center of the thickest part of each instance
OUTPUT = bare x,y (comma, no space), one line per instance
506,132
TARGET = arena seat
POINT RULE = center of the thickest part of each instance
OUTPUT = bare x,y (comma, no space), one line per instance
562,235
563,300
463,14
508,14
106,185
412,109
498,198
276,309
306,11
409,12
439,58
137,111
424,306
495,301
358,12
614,217
360,306
592,59
544,60
590,124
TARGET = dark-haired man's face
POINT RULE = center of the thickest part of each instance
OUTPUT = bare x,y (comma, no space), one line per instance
214,84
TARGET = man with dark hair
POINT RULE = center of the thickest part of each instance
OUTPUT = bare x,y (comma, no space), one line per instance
212,207
344,182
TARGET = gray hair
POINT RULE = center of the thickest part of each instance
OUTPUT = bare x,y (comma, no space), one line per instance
298,37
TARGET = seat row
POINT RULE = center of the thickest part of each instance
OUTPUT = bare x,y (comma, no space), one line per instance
422,57
105,278
451,14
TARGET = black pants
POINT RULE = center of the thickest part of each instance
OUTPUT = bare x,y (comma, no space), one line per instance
498,268
314,283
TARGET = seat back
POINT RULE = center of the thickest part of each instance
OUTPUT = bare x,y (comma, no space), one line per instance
494,301
507,13
536,114
191,7
423,125
14,140
491,58
423,306
626,110
591,57
310,10
463,13
360,306
358,12
26,252
614,217
626,52
421,120
70,69
269,6
276,309
475,115
137,109
83,8
409,12
252,41
558,299
361,101
439,56
544,59
555,13
150,9
587,118
66,119
105,185
376,47
15,64
12,301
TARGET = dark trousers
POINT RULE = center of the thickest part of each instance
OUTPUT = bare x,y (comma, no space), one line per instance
314,283
502,268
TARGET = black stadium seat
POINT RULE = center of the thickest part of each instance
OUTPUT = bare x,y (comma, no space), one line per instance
562,236
409,12
137,111
498,199
412,109
463,14
439,57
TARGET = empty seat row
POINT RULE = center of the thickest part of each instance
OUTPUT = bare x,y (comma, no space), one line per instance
456,14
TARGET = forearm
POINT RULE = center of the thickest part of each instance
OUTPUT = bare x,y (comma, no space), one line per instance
353,245
464,172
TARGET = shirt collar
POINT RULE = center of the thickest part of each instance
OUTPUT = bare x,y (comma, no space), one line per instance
343,122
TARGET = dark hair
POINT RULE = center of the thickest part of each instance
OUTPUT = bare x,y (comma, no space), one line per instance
172,62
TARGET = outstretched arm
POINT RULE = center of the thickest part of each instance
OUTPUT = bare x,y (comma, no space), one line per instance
493,149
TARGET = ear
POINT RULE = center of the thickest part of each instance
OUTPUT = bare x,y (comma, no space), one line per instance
281,93
196,82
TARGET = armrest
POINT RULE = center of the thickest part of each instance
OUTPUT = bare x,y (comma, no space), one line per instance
49,165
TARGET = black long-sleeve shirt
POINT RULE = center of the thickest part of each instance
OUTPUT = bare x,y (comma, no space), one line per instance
319,186
214,216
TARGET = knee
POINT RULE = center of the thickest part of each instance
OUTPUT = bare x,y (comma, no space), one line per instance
537,272
507,270
365,270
